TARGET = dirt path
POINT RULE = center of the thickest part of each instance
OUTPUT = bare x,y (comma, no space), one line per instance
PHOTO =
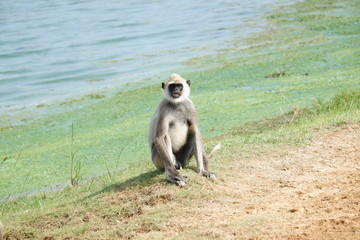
310,192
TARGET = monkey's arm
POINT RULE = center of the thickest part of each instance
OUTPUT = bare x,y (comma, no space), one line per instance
163,147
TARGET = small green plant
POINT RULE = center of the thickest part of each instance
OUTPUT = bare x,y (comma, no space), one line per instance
17,159
3,161
110,174
75,166
119,157
295,112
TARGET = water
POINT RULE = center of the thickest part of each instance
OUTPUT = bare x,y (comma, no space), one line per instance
51,50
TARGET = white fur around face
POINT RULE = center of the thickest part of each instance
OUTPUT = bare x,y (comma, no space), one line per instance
175,78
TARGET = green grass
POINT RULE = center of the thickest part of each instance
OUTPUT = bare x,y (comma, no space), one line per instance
76,211
316,43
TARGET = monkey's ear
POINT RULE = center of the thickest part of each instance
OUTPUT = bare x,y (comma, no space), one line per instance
188,82
162,85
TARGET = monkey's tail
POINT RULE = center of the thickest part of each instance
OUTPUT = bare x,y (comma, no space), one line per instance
214,150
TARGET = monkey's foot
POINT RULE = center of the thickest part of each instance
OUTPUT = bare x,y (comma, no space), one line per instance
181,183
179,179
208,174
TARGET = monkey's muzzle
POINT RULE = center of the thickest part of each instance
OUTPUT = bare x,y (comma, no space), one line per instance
176,95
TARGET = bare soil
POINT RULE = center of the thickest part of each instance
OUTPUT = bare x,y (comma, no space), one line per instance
310,192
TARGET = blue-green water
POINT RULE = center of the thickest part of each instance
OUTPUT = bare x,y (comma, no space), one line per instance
53,50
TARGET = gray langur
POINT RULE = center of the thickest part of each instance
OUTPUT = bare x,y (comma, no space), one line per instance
174,135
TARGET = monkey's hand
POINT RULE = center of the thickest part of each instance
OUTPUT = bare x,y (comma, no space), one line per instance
177,178
208,174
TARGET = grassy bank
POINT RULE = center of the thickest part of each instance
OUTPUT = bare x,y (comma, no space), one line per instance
309,53
137,203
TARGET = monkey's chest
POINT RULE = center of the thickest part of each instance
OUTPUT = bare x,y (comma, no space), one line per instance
178,131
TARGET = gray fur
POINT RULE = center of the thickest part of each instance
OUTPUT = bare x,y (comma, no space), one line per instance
174,135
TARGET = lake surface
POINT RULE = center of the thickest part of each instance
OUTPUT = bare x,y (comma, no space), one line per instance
53,50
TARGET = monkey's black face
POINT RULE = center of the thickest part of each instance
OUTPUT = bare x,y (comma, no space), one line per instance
175,90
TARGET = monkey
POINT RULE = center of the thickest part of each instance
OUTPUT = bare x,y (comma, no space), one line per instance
174,135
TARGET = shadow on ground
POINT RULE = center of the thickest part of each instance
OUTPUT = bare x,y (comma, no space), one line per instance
144,179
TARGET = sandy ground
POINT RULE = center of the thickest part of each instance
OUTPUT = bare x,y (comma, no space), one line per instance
310,192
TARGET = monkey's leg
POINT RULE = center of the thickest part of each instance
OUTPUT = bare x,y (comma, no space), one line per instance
156,159
185,153
206,172
201,159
